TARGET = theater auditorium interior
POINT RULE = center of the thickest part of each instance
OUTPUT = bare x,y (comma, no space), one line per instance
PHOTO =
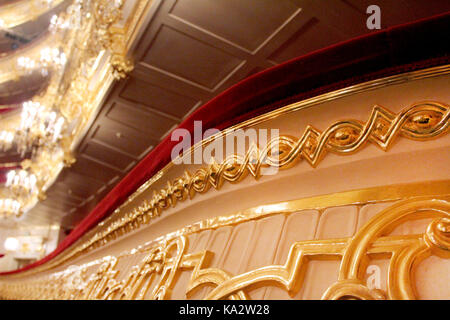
224,149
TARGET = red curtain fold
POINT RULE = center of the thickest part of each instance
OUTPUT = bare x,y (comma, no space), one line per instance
421,44
5,110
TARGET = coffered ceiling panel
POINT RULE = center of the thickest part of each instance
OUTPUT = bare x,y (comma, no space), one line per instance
64,196
107,155
94,169
79,184
61,190
198,62
58,207
123,138
155,124
234,20
157,98
312,36
189,52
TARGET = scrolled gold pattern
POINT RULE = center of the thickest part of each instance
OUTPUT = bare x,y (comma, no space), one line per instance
102,237
437,237
155,276
343,137
421,121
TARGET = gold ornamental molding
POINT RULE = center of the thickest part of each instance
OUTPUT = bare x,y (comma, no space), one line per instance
156,273
330,96
406,251
421,121
354,197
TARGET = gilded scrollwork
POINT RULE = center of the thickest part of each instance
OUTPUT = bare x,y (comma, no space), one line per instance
421,121
122,66
405,253
438,237
157,273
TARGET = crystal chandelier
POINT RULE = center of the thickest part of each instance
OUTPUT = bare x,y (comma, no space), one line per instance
21,183
71,19
6,140
9,207
50,122
40,132
22,189
39,127
49,57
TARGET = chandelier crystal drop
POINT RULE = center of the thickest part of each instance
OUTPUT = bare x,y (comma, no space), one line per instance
70,19
9,207
6,140
26,63
53,57
49,58
21,182
39,127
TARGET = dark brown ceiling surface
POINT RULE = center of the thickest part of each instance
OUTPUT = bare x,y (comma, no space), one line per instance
191,51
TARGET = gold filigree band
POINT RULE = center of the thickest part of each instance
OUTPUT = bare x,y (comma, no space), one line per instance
155,276
421,121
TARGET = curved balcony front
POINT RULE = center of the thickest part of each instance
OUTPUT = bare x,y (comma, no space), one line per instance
326,178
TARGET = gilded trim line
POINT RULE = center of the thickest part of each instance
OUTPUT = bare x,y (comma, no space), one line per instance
160,263
421,121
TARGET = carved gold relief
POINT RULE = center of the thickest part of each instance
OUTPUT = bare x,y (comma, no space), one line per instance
421,121
406,251
155,276
116,225
122,66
